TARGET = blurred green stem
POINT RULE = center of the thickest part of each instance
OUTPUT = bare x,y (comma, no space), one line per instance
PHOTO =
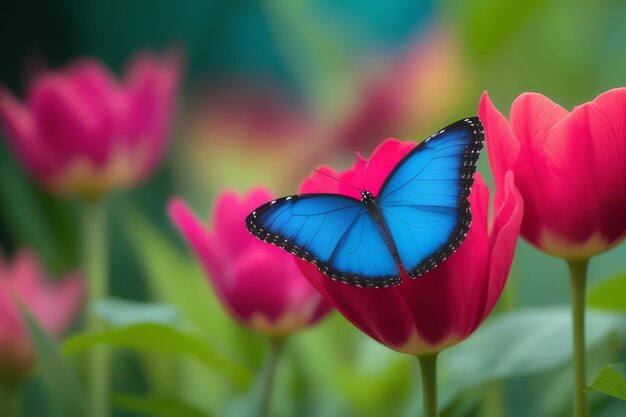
95,254
10,400
493,401
428,369
578,274
270,372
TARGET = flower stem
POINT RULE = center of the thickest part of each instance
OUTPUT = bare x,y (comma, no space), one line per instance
268,378
578,274
428,369
95,254
10,400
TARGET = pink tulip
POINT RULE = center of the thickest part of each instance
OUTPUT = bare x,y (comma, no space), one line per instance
446,305
81,132
260,285
570,168
54,305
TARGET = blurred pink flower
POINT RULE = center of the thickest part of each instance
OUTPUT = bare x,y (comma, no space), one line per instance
417,87
244,125
444,306
54,305
570,168
81,132
259,284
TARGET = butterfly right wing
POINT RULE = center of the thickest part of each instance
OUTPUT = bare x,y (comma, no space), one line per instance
332,231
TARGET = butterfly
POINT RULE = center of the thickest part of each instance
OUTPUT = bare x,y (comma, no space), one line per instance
420,216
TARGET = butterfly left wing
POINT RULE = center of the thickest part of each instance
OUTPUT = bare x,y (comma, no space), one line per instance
424,199
332,231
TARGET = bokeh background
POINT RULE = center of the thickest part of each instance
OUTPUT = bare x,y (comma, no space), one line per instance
271,89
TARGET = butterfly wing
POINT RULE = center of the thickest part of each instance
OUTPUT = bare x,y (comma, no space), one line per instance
334,232
424,199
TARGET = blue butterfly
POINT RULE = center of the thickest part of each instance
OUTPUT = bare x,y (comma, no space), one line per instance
420,216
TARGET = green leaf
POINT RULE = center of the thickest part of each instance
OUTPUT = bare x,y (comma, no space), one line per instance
481,22
154,337
156,406
611,380
172,276
58,375
32,215
520,343
609,294
177,279
119,312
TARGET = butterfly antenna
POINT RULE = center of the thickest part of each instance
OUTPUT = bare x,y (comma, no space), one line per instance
337,179
367,170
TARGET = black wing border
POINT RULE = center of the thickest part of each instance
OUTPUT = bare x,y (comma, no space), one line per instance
466,173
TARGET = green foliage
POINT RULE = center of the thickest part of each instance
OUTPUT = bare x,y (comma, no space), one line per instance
610,294
36,220
177,280
156,406
119,312
66,393
189,357
154,337
611,380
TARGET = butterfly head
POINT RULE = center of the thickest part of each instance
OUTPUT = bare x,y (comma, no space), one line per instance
366,196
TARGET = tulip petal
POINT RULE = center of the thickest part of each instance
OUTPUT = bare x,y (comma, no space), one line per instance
207,250
588,149
259,284
446,301
532,117
101,97
150,87
54,304
66,123
507,152
19,125
506,222
230,214
502,146
380,313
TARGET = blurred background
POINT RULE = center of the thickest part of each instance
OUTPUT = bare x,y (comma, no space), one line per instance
270,90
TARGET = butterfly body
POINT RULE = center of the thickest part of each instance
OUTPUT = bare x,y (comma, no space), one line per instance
419,216
369,201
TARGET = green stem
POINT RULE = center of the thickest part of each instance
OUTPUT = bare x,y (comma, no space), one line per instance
428,369
270,373
10,401
95,255
578,274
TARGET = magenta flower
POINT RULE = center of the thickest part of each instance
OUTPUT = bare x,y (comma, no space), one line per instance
571,171
81,132
570,168
254,122
54,305
443,307
260,285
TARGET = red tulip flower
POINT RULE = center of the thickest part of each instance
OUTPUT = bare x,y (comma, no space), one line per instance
260,285
54,305
570,168
81,132
443,307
